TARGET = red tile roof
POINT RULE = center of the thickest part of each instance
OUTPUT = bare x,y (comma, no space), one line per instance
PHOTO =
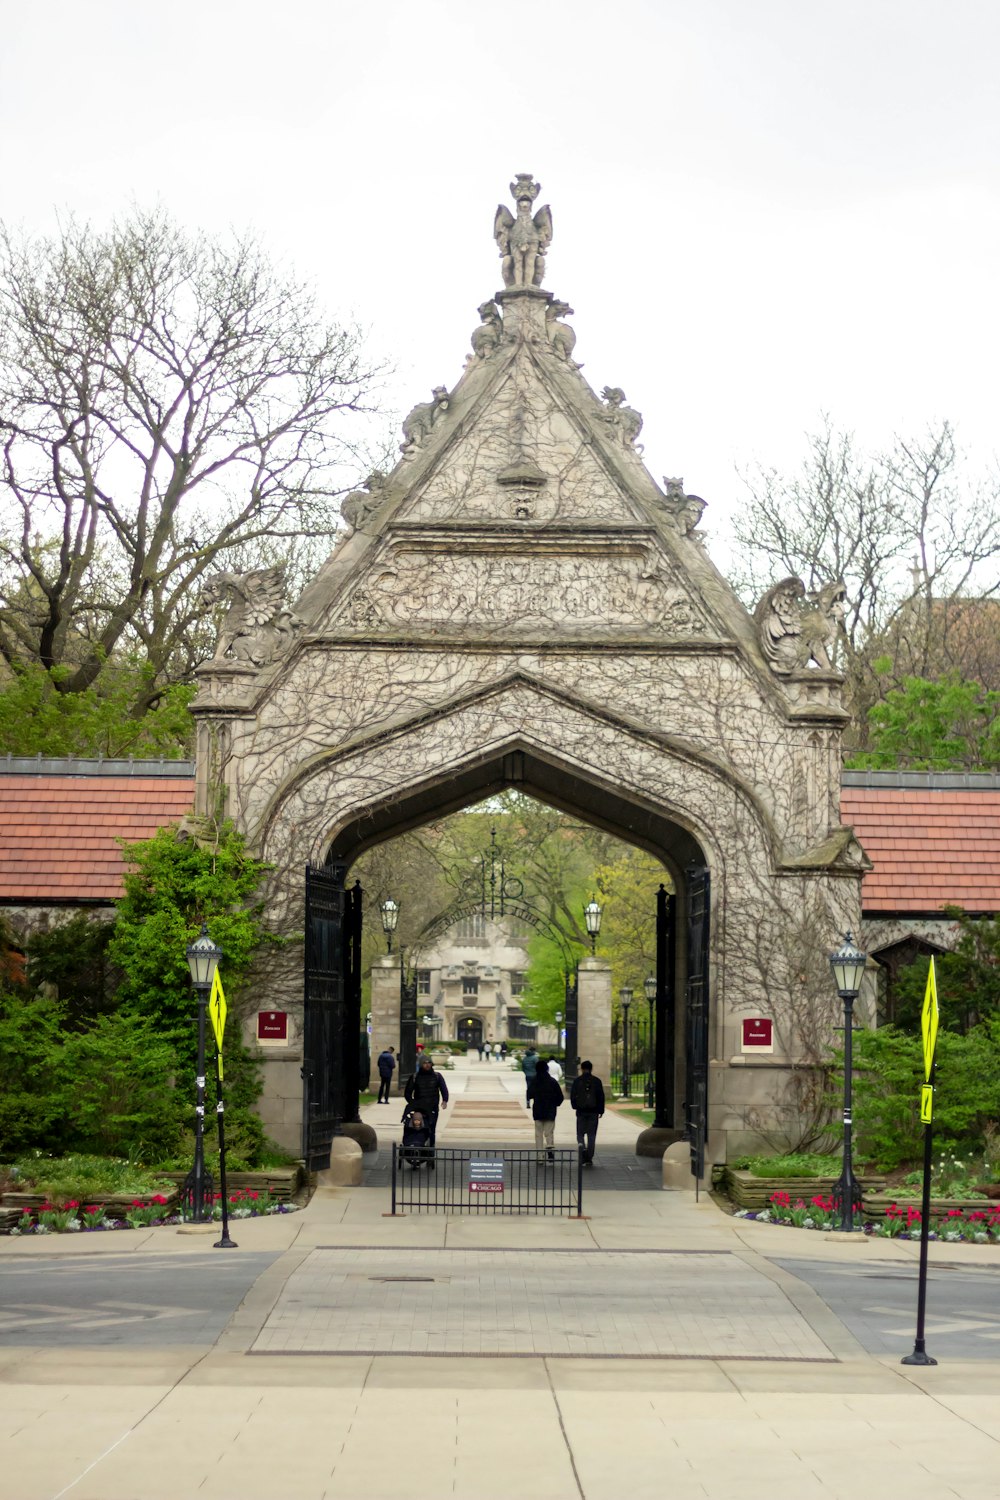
58,833
931,847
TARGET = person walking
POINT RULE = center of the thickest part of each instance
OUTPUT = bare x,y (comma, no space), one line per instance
497,1053
587,1098
386,1068
529,1063
480,1045
545,1097
427,1092
489,1050
555,1069
503,1051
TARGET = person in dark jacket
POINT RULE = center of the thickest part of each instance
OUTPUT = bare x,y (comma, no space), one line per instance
587,1098
415,1148
386,1068
529,1062
545,1097
428,1092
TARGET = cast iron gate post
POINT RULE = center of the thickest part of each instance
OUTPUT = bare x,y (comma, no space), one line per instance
665,1029
696,1091
324,1094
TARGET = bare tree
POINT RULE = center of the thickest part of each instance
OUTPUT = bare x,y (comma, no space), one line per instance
914,536
167,402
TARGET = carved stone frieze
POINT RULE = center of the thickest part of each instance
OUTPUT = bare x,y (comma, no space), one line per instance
486,589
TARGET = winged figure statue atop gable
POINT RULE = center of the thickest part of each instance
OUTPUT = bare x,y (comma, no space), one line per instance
523,240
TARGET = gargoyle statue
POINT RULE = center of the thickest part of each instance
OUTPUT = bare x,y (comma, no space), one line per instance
258,625
561,336
487,337
417,426
523,241
359,506
623,420
795,629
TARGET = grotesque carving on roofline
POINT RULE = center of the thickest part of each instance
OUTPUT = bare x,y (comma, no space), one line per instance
486,338
359,506
797,629
258,625
417,426
523,241
624,421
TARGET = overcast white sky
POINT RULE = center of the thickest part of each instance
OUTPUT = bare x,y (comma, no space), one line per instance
764,209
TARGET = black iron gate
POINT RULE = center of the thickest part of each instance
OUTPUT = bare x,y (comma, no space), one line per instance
665,1027
331,1056
696,1028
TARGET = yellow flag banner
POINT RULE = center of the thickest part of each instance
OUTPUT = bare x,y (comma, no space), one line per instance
929,1021
217,1014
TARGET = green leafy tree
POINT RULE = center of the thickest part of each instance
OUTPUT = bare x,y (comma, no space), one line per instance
934,725
30,1071
73,960
176,884
117,1090
628,889
36,718
968,978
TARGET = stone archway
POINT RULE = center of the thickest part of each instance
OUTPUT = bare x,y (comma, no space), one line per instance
519,603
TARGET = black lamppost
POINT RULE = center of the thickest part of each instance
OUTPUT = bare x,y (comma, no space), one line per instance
390,916
848,965
649,985
203,960
592,914
559,1021
625,1000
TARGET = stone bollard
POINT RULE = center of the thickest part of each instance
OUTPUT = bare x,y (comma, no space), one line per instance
345,1169
677,1167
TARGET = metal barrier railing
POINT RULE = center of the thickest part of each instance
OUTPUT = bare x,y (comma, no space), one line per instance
487,1180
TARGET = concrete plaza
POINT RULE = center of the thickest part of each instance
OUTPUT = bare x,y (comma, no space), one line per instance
657,1347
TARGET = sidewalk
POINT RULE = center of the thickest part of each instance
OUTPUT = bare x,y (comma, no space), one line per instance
236,1420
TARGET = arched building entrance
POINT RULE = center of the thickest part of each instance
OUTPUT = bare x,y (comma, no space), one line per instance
520,604
469,1031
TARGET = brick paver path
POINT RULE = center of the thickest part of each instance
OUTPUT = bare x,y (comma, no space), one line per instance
580,1302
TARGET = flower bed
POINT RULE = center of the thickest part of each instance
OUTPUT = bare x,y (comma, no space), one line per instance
141,1213
976,1225
749,1191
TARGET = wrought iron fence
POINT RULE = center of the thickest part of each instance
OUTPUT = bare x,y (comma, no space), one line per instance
487,1180
633,1060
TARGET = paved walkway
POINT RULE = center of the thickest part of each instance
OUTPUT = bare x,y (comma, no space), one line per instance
766,1394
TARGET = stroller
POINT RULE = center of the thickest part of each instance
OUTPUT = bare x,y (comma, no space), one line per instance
416,1147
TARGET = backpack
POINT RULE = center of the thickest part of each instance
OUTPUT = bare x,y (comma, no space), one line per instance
586,1093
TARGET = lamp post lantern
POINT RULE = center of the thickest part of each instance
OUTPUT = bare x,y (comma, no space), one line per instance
390,916
559,1021
848,965
649,986
592,914
625,1000
203,960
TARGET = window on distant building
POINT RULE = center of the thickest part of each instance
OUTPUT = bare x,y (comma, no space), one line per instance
517,982
423,981
469,928
520,1030
470,985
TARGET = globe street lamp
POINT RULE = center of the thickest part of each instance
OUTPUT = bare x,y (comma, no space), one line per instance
390,916
592,914
203,960
625,1000
649,985
848,965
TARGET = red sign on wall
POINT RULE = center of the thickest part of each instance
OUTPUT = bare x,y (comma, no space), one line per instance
758,1032
272,1026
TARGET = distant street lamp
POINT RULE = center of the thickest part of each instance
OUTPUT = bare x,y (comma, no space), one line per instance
649,985
203,960
390,916
559,1021
592,913
625,1001
848,965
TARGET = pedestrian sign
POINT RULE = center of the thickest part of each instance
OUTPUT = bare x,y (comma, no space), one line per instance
926,1103
217,1014
929,1022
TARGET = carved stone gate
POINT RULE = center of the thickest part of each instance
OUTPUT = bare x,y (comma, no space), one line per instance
520,603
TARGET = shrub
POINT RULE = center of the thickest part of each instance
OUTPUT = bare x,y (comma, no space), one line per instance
116,1092
30,1048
